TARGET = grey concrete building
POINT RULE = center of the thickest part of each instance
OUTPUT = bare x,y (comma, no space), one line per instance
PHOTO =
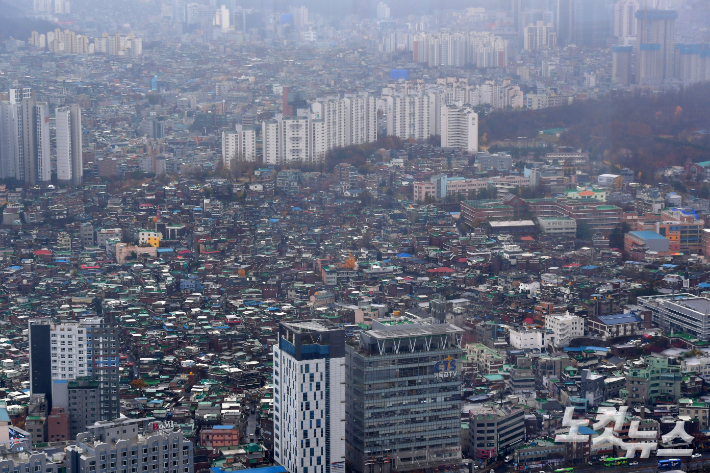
84,395
494,429
404,395
130,446
680,313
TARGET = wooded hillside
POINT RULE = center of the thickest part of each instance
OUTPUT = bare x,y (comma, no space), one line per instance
639,130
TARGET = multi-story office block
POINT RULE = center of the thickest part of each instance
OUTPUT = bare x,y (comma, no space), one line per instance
70,164
82,402
309,397
403,397
130,446
494,428
680,312
72,350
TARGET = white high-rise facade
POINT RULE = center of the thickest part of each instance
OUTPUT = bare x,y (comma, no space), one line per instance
383,11
309,397
459,128
221,18
412,115
239,145
349,120
10,114
293,139
24,138
70,165
42,160
335,112
363,119
625,21
333,122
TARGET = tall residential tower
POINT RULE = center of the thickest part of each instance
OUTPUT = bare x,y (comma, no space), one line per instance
70,165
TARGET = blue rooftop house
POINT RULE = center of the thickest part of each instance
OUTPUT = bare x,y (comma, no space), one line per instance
611,326
651,240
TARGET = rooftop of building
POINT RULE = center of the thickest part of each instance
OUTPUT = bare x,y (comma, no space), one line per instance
415,330
310,326
620,319
648,235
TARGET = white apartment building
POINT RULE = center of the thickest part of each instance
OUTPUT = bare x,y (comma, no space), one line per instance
524,338
70,163
105,234
564,328
238,145
412,115
363,118
42,157
625,21
24,138
459,128
69,351
539,35
293,139
10,113
335,113
309,397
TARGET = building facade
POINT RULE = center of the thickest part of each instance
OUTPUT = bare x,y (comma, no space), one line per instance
72,350
239,145
294,139
130,446
459,128
70,164
564,328
309,398
404,395
493,429
680,312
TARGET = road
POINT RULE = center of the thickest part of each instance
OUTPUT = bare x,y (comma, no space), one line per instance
252,423
649,465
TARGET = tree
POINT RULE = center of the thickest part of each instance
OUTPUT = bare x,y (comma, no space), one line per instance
138,384
241,273
350,262
584,231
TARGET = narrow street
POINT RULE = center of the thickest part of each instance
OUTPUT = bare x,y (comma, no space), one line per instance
252,423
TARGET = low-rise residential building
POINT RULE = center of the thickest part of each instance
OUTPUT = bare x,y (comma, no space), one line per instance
691,409
610,326
526,338
653,379
564,328
149,237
